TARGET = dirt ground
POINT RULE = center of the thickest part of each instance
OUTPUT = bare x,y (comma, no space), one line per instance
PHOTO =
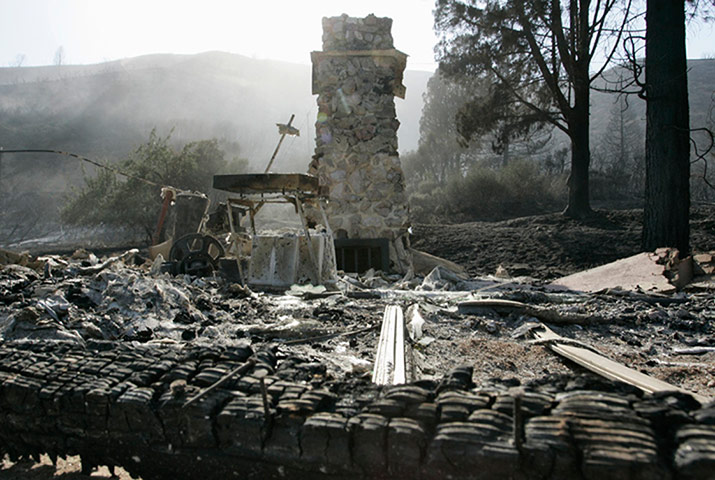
550,246
329,340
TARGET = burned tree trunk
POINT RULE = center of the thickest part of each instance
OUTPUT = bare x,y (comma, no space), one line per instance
579,205
667,189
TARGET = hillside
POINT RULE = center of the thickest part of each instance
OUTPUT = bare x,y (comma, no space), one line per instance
104,111
701,88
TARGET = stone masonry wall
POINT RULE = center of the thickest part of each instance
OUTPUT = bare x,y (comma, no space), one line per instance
356,77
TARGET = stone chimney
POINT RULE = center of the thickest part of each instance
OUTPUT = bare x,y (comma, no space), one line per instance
356,77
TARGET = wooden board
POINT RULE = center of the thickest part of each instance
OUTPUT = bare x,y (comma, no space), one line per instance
252,183
390,358
608,368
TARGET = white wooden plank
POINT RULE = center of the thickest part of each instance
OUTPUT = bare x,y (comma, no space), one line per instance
390,357
608,368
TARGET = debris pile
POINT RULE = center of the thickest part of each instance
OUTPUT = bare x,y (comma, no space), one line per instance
83,299
272,378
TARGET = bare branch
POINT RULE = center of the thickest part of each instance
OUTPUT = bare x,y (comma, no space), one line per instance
549,77
561,44
635,67
615,44
548,118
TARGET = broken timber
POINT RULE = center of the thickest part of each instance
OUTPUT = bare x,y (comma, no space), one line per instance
608,368
479,306
119,409
390,358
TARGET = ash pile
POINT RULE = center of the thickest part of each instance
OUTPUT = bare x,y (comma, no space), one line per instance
432,372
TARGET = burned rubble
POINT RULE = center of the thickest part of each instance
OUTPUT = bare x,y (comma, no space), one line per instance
166,362
100,357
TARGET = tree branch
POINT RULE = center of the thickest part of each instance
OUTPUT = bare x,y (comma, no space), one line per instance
561,44
615,44
549,76
548,118
701,156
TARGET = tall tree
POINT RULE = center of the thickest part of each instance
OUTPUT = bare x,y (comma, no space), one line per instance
59,56
667,193
439,156
620,150
540,53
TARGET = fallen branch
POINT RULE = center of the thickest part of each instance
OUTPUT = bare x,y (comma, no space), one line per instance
99,267
693,350
565,318
642,297
543,314
250,363
328,336
667,363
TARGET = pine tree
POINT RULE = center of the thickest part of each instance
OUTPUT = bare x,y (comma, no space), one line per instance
539,52
667,194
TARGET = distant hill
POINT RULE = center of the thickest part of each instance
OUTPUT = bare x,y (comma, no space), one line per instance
105,111
108,108
701,88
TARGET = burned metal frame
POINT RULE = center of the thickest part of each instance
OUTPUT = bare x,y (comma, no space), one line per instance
257,190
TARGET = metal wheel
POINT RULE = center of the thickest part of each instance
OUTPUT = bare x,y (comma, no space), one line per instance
196,254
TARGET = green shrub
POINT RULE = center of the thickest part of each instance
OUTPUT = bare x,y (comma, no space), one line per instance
426,201
516,190
128,201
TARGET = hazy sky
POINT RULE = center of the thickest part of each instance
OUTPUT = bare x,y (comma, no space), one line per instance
93,31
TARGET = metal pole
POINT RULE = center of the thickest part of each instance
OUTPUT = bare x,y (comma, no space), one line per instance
275,152
313,259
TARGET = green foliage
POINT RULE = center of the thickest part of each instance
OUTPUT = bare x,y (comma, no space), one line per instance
95,194
131,202
427,202
534,57
490,42
449,177
518,189
442,153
